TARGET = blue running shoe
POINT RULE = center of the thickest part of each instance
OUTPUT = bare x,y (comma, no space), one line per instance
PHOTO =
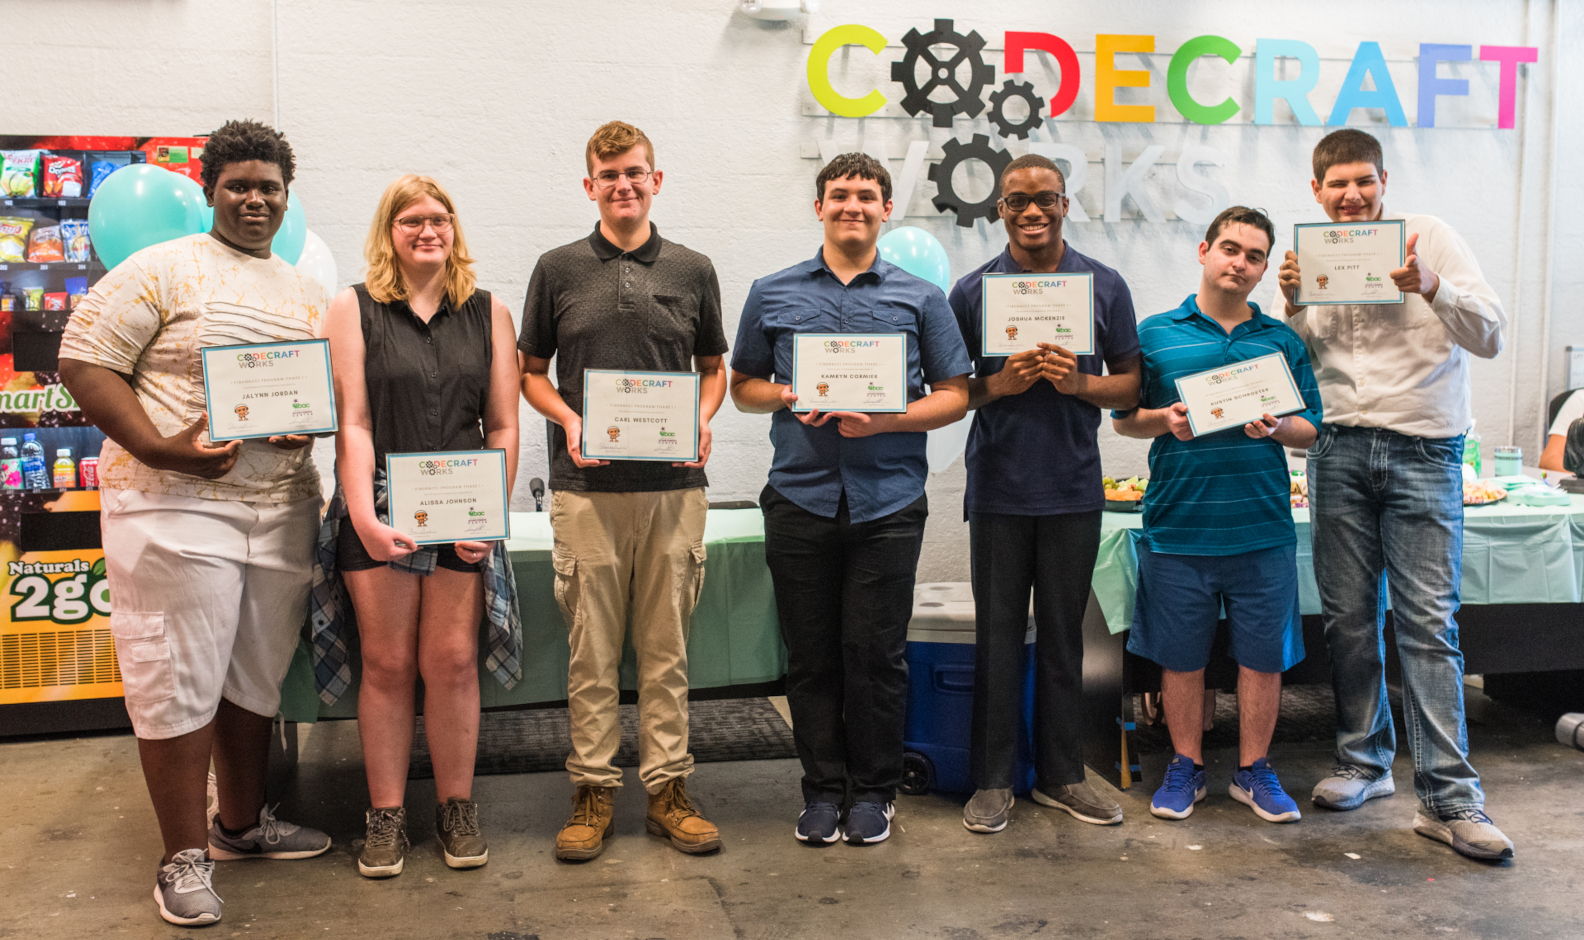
869,822
819,823
1183,787
1259,788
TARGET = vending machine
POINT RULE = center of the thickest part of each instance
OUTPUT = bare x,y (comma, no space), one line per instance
58,669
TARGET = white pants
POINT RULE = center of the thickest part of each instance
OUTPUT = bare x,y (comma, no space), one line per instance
208,597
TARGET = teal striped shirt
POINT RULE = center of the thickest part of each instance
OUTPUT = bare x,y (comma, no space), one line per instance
1224,493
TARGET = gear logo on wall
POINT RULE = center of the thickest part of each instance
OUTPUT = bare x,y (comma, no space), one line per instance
943,73
958,153
998,100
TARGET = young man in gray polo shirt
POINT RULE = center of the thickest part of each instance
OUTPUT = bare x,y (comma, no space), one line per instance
629,535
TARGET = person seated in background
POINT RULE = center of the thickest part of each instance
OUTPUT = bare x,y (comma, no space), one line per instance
1556,439
1218,530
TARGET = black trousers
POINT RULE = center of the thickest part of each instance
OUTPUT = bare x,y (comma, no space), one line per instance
844,593
1055,556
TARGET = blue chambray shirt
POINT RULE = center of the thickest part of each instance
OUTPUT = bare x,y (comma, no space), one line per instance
814,466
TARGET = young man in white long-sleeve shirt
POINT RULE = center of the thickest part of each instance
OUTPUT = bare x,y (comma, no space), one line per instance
1385,484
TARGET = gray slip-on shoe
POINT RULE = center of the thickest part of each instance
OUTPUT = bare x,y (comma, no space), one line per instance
184,890
1349,787
1469,832
1082,802
988,810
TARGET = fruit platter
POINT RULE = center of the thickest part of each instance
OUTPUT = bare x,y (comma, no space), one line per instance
1298,490
1481,492
1124,495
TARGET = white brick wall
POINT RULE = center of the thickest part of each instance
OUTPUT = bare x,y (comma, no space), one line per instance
496,99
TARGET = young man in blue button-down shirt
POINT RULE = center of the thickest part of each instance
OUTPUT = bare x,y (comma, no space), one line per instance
1218,528
844,509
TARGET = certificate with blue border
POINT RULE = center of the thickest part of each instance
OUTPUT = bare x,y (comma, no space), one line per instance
449,496
640,415
1239,392
1349,262
268,389
860,372
1020,311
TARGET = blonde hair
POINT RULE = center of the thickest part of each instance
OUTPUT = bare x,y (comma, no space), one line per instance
384,280
614,139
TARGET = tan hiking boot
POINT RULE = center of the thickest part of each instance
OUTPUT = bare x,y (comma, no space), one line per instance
672,816
583,837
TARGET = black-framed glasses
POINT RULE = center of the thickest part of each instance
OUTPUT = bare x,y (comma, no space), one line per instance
634,175
413,224
1049,199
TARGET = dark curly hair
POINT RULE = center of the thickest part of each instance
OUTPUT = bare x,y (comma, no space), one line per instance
860,165
240,141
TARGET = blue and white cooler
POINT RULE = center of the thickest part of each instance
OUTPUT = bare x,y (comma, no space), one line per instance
940,658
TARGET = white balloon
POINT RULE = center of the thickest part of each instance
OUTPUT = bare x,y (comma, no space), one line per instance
944,445
318,263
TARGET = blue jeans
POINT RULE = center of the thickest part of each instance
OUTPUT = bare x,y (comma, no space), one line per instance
1387,510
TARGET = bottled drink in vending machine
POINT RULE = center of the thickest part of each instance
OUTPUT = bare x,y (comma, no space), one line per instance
65,470
10,464
35,474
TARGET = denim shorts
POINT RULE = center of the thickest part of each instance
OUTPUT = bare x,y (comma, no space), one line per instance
1181,598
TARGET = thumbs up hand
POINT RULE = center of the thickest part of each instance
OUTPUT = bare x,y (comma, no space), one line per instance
1415,277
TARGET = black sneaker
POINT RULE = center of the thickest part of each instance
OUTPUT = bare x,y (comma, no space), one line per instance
819,823
869,822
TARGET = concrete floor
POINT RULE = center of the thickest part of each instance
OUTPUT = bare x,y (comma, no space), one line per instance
78,847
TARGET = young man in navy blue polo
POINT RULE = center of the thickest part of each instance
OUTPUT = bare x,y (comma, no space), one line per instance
1033,505
844,509
1218,529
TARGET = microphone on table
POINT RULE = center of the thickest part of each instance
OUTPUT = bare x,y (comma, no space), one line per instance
536,490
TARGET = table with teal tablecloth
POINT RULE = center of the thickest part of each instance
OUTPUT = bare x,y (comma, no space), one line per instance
1511,555
733,641
1522,612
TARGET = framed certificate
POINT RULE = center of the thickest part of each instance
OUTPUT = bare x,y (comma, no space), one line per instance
267,389
864,372
1020,311
640,415
449,496
1349,262
1239,392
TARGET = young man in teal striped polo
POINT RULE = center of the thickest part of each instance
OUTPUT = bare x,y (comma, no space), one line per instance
1218,529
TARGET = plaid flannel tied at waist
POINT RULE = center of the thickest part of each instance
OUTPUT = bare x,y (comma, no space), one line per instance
331,617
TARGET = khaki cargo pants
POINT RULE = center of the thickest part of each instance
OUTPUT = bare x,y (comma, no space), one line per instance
623,557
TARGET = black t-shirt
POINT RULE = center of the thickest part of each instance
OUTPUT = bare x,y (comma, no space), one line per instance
591,305
427,382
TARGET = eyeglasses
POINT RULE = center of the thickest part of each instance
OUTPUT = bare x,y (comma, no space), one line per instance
413,224
635,175
1048,199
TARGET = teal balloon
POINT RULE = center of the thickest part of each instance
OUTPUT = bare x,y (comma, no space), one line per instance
142,205
918,253
293,233
206,211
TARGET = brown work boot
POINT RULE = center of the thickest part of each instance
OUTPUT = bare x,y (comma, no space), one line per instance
672,816
583,837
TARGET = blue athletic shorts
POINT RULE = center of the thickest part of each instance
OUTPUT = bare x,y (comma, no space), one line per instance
1180,599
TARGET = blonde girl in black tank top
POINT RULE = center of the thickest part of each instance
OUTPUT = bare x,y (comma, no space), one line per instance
423,361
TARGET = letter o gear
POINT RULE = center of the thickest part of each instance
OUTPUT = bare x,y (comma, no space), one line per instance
943,73
957,153
1011,89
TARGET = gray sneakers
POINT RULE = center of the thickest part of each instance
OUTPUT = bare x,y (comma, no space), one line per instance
457,828
1470,833
385,847
184,890
271,838
1082,802
1349,787
987,810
